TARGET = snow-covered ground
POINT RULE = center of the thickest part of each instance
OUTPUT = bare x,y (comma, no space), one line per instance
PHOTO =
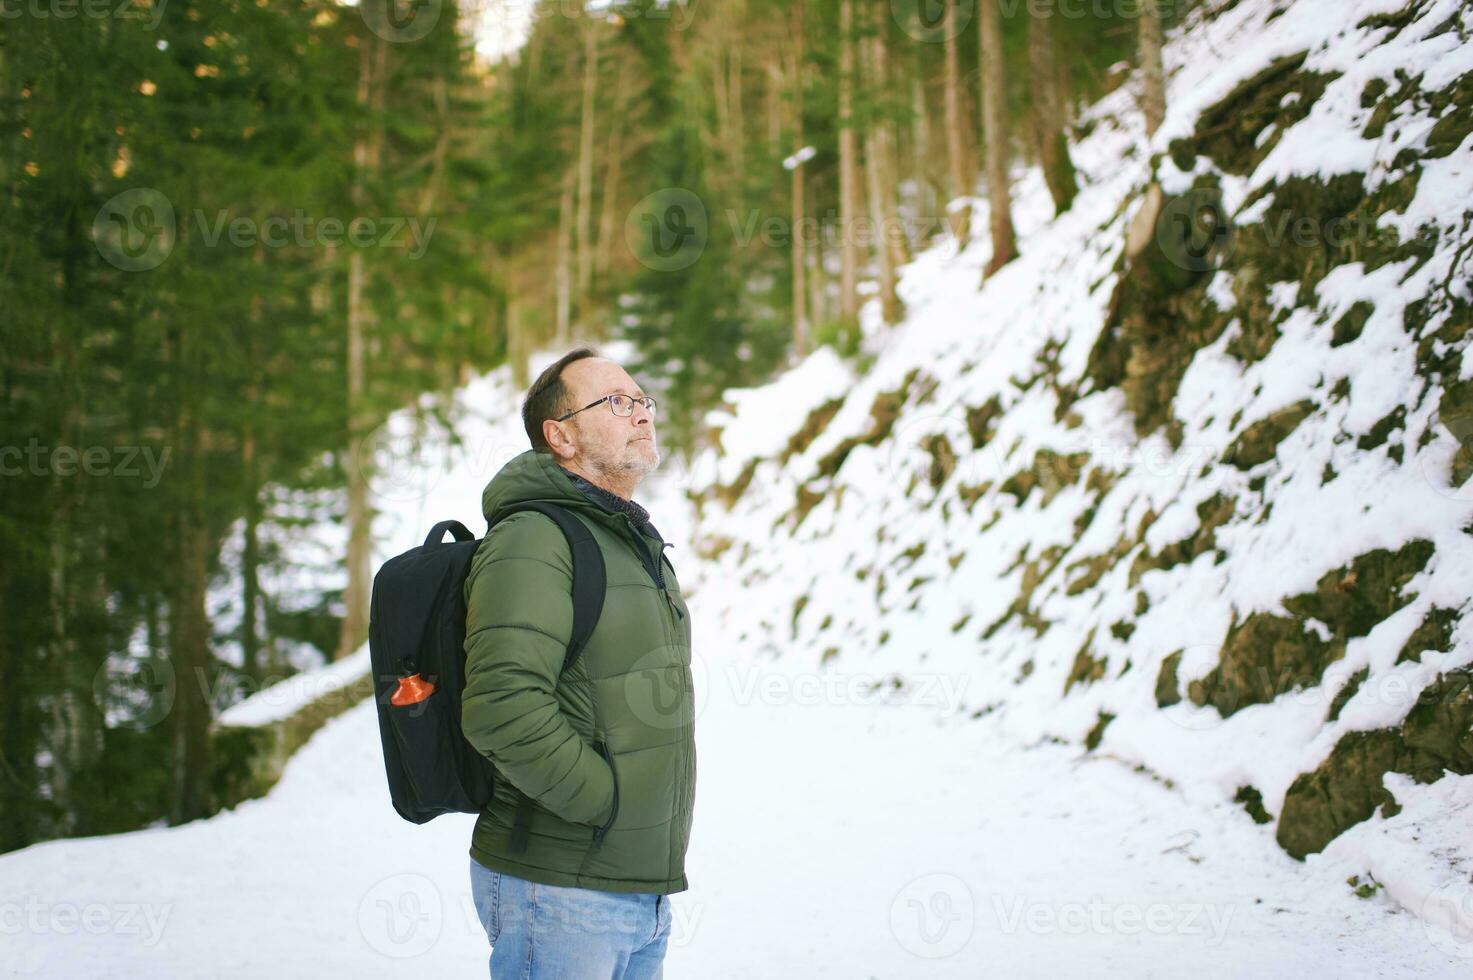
853,818
838,833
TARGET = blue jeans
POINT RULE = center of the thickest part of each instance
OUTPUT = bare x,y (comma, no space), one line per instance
553,932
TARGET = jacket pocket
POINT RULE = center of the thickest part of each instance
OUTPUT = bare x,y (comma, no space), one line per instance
598,833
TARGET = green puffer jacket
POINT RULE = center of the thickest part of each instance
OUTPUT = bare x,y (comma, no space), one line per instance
606,752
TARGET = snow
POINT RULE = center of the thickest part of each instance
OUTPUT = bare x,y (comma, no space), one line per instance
282,700
885,790
839,832
979,344
797,160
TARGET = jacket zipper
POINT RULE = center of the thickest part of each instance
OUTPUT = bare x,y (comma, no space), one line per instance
653,568
598,834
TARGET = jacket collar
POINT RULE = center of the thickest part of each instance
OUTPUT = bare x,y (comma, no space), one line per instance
614,503
537,476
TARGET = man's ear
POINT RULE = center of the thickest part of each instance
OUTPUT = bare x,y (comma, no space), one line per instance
556,436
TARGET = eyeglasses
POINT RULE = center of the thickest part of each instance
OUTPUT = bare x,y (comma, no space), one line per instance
620,405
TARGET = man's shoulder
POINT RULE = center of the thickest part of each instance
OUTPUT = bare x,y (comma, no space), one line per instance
525,534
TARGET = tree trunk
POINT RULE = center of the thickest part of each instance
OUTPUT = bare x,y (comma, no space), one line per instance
62,655
585,163
992,79
519,374
565,260
189,633
1153,74
927,188
189,636
801,338
250,563
1053,146
604,250
189,626
250,558
735,115
961,178
772,104
366,153
881,183
848,169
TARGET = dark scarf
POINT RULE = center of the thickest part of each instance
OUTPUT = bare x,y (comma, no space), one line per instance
611,501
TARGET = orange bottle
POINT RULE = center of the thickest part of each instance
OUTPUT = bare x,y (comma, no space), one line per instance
411,690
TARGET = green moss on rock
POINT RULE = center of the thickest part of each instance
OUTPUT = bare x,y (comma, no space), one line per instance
1097,734
1435,632
1347,692
1034,572
1435,737
883,413
815,423
1212,513
1450,132
1263,656
1267,655
1342,792
1168,687
1050,472
730,493
943,459
1381,431
1260,441
1252,801
1350,326
1086,669
1230,132
246,762
1455,409
1353,599
1441,725
982,421
1160,314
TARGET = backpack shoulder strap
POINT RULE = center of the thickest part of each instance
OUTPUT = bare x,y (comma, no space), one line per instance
589,579
589,576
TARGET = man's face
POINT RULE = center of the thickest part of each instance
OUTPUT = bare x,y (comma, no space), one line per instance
605,443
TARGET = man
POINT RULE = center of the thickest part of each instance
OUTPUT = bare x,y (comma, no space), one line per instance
574,858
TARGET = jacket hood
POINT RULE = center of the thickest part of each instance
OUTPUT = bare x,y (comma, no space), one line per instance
536,476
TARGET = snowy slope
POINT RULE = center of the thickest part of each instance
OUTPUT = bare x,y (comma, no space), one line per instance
984,523
893,781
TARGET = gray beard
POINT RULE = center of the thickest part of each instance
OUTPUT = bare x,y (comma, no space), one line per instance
623,467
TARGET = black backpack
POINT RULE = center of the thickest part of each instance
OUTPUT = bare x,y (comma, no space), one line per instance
416,643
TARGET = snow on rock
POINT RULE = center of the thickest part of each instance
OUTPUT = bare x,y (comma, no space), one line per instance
285,698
